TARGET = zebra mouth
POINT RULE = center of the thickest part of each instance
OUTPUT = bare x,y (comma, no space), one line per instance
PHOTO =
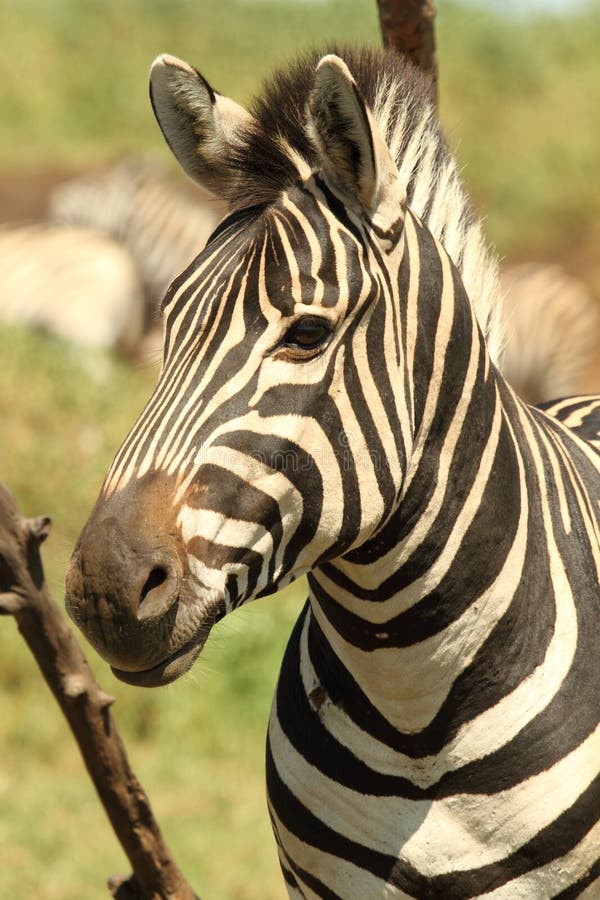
170,669
178,663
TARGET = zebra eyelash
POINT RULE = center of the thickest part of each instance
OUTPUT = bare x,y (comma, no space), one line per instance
290,347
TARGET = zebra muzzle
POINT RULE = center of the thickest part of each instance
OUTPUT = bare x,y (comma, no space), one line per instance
129,589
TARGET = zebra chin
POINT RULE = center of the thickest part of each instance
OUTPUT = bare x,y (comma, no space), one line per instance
167,671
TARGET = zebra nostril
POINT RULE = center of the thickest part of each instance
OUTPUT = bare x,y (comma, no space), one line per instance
158,593
156,577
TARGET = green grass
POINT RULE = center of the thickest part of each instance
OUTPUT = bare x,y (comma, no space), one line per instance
197,748
519,97
83,93
520,100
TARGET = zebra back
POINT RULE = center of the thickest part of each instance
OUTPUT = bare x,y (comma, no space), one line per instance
140,206
72,282
552,332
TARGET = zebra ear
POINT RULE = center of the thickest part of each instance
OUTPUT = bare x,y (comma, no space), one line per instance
198,123
354,155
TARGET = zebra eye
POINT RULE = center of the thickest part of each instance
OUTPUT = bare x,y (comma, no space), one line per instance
308,333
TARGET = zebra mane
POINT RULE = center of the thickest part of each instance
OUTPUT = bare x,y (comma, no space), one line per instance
266,160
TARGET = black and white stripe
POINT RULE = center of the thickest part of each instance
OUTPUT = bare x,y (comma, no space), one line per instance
435,731
138,205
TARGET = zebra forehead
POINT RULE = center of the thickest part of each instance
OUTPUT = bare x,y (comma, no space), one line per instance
294,251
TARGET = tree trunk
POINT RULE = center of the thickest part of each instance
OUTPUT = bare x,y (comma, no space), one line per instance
407,26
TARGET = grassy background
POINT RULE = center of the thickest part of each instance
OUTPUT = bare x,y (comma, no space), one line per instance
520,99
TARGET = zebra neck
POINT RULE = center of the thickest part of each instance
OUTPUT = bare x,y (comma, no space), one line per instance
417,608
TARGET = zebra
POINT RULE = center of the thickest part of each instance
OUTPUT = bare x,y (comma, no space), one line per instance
72,282
139,205
329,405
552,332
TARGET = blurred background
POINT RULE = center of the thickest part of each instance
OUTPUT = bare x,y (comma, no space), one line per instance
519,98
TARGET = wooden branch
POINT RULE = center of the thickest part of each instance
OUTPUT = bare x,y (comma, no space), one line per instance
24,595
407,26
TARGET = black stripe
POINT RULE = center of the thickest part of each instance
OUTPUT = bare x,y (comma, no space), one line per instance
303,728
306,826
299,467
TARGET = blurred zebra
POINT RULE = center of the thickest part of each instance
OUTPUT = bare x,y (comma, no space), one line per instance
72,282
149,213
328,405
552,332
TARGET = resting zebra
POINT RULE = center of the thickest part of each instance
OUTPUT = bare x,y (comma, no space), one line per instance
72,282
139,206
328,405
552,340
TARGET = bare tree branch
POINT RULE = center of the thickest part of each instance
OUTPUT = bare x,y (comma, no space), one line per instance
407,26
24,594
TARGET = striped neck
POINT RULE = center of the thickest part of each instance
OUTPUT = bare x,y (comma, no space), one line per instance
414,607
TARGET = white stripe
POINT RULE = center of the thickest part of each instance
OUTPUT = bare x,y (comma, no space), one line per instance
458,833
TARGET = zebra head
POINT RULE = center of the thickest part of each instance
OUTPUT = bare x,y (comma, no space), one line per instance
278,435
